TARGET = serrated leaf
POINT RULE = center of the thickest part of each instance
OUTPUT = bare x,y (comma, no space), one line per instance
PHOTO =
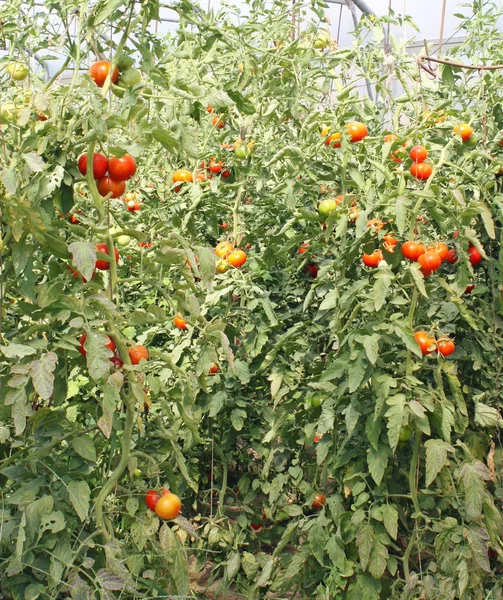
383,279
84,446
110,581
436,457
390,519
401,205
17,350
395,416
418,279
242,371
487,416
356,373
485,213
233,564
378,461
371,345
364,542
102,11
238,417
9,179
80,494
42,375
34,161
473,487
98,355
84,258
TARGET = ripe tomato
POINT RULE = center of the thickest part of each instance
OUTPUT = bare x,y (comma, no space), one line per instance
418,154
104,265
413,250
214,369
425,341
181,176
469,288
217,122
421,171
446,347
441,249
356,131
100,165
136,353
390,242
168,506
236,258
430,262
151,498
475,256
180,322
372,260
334,140
117,362
319,501
107,185
317,438
99,72
326,207
256,526
452,256
223,249
73,271
464,130
209,108
225,174
390,137
82,341
122,169
312,269
216,166
304,248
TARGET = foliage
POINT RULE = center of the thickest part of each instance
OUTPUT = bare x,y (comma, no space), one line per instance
319,375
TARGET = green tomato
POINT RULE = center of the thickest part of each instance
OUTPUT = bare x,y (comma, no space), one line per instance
1,244
327,207
123,240
319,44
241,151
8,111
130,77
137,473
17,71
405,433
125,62
315,402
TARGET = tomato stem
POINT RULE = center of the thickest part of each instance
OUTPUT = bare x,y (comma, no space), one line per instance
235,216
413,492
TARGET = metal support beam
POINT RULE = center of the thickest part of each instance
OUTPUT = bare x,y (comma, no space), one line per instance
363,6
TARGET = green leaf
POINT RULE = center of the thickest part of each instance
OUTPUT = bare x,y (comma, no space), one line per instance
35,163
42,375
98,355
84,446
472,476
485,213
84,258
418,279
401,205
242,372
102,11
356,373
233,564
80,494
377,461
109,580
395,416
390,519
436,457
364,543
383,279
487,416
371,345
238,417
207,263
17,350
405,333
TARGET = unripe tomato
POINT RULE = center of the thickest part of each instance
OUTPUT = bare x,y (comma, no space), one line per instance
222,267
334,140
316,401
107,185
137,353
241,152
418,154
430,262
223,249
390,137
425,341
421,171
446,347
326,207
122,169
237,258
104,265
17,71
319,501
82,341
180,322
131,196
412,250
130,77
372,260
405,434
475,256
168,507
100,165
356,131
99,72
464,130
123,240
151,498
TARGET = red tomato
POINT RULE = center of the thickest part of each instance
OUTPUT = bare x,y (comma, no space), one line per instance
303,248
425,341
319,501
136,353
312,269
356,131
418,154
464,130
122,169
334,140
99,72
452,256
180,322
82,341
117,362
100,165
107,185
446,347
421,171
469,288
216,166
256,526
475,256
413,250
217,122
372,260
214,369
103,265
151,498
430,262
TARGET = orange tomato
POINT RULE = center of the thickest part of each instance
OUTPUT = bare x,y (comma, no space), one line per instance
217,122
421,171
136,353
372,260
334,140
356,131
168,506
418,154
182,176
425,341
390,137
213,369
303,248
180,322
319,501
223,249
99,72
464,130
237,258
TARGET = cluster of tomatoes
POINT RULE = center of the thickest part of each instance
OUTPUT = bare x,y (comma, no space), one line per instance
165,505
355,131
429,344
136,353
119,171
420,169
229,257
